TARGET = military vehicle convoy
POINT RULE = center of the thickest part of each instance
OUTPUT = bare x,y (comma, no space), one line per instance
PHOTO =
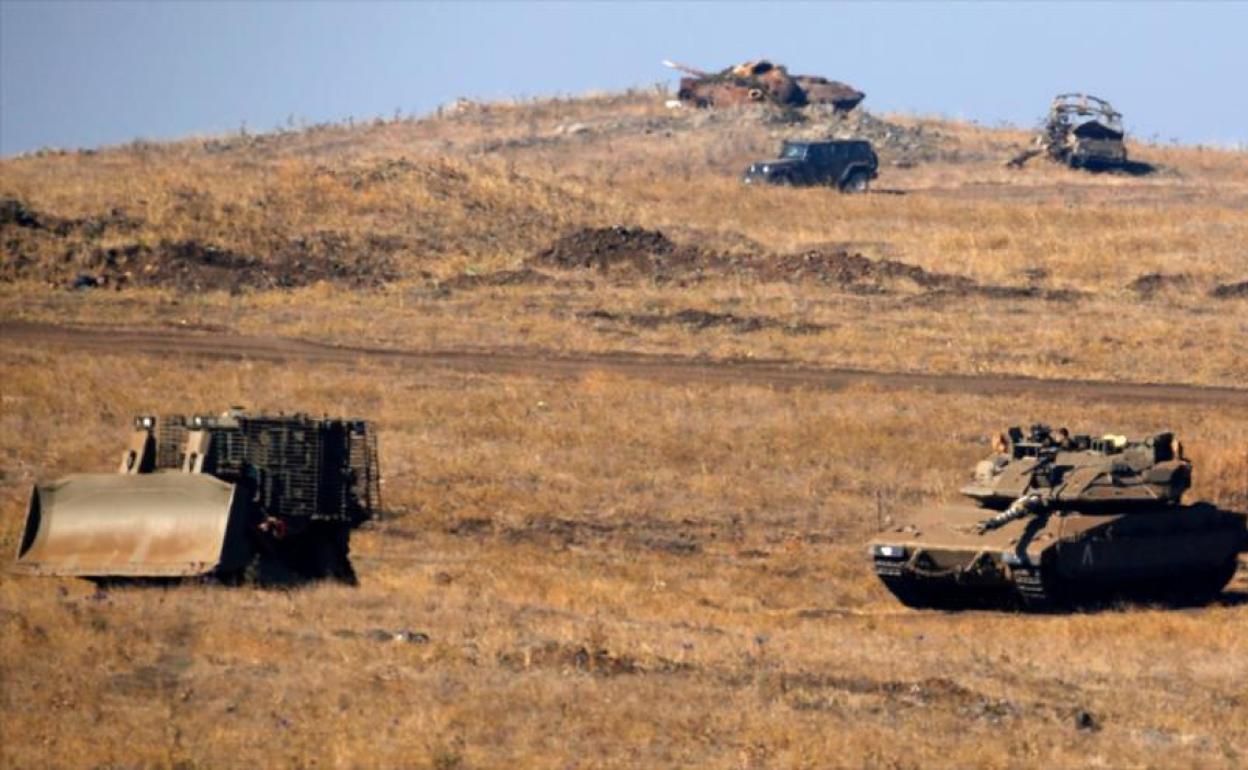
1060,519
848,165
235,496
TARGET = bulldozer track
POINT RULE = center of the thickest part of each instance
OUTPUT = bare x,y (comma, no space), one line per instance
657,368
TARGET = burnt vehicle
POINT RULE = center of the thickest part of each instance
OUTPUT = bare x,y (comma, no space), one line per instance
1081,131
239,497
847,164
1061,520
761,81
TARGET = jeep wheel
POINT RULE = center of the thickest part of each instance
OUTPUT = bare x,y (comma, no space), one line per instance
857,182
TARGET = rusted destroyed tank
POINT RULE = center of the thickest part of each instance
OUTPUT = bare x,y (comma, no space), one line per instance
1081,131
1059,520
761,81
269,498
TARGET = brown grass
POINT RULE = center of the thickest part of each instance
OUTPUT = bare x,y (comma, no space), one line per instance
481,190
610,572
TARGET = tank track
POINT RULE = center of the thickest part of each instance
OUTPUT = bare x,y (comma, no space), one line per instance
925,593
907,590
1035,589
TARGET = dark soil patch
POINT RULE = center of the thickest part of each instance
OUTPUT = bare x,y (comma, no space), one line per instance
606,249
701,319
15,213
630,252
198,266
1237,290
854,271
1150,284
68,252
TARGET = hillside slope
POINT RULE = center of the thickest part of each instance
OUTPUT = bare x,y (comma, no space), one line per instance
636,422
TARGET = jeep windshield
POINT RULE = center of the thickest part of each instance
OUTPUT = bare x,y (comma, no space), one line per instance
793,151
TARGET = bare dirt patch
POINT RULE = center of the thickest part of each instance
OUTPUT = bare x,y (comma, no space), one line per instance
197,266
630,252
675,369
1152,284
69,253
619,248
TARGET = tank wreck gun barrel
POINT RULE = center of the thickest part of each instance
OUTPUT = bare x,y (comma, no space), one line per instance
759,81
234,494
685,68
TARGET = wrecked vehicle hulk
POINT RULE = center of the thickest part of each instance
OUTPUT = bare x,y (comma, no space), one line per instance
761,81
1081,131
848,165
263,498
1061,520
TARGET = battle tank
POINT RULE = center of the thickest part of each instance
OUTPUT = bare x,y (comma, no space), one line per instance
1060,520
236,496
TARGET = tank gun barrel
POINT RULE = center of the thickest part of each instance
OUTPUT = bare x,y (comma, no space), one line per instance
1032,504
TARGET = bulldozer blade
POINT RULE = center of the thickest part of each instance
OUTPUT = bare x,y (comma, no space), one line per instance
165,524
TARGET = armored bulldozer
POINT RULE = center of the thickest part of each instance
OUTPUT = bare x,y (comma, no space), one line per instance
1060,520
235,496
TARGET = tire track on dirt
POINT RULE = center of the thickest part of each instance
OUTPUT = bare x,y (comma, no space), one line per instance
656,368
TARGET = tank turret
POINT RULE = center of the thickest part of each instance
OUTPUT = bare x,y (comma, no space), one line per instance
1080,472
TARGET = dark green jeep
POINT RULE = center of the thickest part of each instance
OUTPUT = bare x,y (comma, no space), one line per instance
849,165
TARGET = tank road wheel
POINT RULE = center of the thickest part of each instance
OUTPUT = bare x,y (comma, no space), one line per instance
857,182
1039,589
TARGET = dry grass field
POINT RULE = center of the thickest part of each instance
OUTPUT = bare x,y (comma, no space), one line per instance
599,570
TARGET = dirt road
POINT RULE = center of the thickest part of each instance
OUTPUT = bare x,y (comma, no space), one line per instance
671,369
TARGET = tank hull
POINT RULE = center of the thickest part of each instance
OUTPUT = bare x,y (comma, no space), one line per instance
1183,554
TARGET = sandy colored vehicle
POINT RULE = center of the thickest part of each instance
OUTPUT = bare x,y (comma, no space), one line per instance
1081,131
236,496
1059,520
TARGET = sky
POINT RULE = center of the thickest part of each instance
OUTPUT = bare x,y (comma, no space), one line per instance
88,74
